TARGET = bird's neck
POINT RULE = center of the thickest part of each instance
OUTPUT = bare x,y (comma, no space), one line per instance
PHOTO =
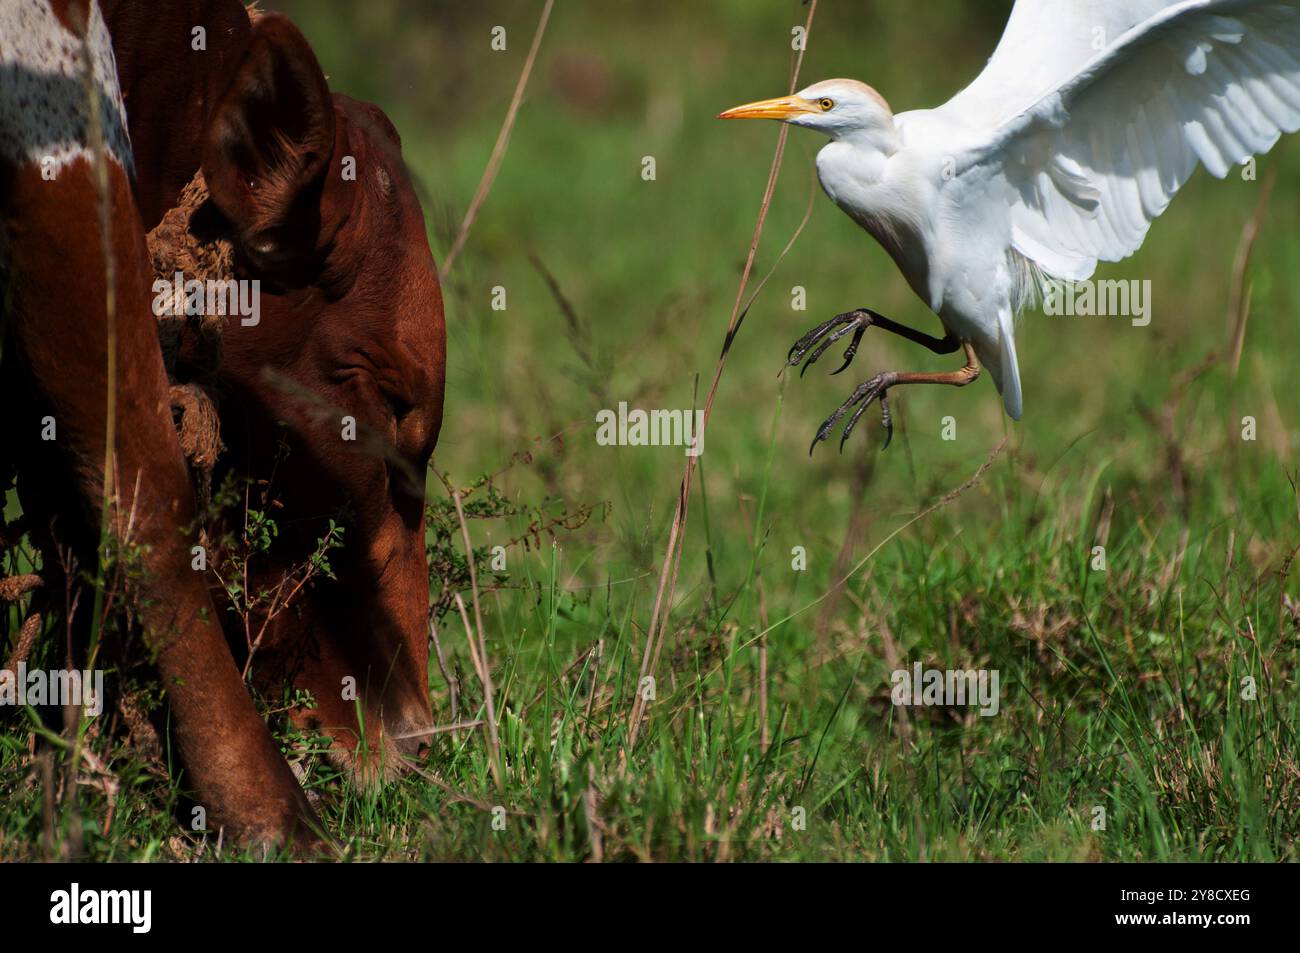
852,170
879,196
883,140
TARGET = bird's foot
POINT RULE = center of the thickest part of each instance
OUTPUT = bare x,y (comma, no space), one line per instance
820,338
875,389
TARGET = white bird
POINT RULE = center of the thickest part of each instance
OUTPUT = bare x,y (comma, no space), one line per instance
1089,116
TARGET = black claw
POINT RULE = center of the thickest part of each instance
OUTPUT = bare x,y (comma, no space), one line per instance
801,346
831,339
852,349
861,398
862,391
853,422
875,390
826,334
822,433
818,341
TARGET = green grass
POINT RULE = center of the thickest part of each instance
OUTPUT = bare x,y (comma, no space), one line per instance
1121,689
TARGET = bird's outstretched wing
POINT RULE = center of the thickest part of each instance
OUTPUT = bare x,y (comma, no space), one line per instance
1095,112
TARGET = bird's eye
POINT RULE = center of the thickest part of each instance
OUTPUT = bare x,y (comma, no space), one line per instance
825,104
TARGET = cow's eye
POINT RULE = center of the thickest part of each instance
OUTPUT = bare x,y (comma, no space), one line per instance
399,406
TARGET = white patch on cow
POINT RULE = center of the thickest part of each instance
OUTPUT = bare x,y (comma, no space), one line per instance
43,103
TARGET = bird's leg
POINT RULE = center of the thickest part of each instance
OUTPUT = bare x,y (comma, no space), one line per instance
827,333
878,387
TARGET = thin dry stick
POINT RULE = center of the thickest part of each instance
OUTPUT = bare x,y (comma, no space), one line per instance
453,684
1239,306
498,150
595,673
673,554
794,237
764,738
485,672
100,167
439,729
469,637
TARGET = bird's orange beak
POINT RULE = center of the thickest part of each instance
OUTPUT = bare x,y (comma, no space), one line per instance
784,107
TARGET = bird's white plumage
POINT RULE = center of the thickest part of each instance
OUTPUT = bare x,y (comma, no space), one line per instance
1098,155
1087,119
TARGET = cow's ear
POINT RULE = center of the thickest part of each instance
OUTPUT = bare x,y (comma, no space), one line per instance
267,145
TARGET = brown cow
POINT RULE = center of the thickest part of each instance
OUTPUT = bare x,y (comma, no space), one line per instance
315,197
56,320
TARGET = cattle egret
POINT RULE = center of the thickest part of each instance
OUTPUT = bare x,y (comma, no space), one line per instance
1089,116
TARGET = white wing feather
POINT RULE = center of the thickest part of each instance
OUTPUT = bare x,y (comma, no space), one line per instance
1095,112
1044,44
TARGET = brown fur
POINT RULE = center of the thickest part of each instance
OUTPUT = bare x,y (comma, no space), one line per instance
351,324
55,359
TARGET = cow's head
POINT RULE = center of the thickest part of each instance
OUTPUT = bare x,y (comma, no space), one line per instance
335,394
